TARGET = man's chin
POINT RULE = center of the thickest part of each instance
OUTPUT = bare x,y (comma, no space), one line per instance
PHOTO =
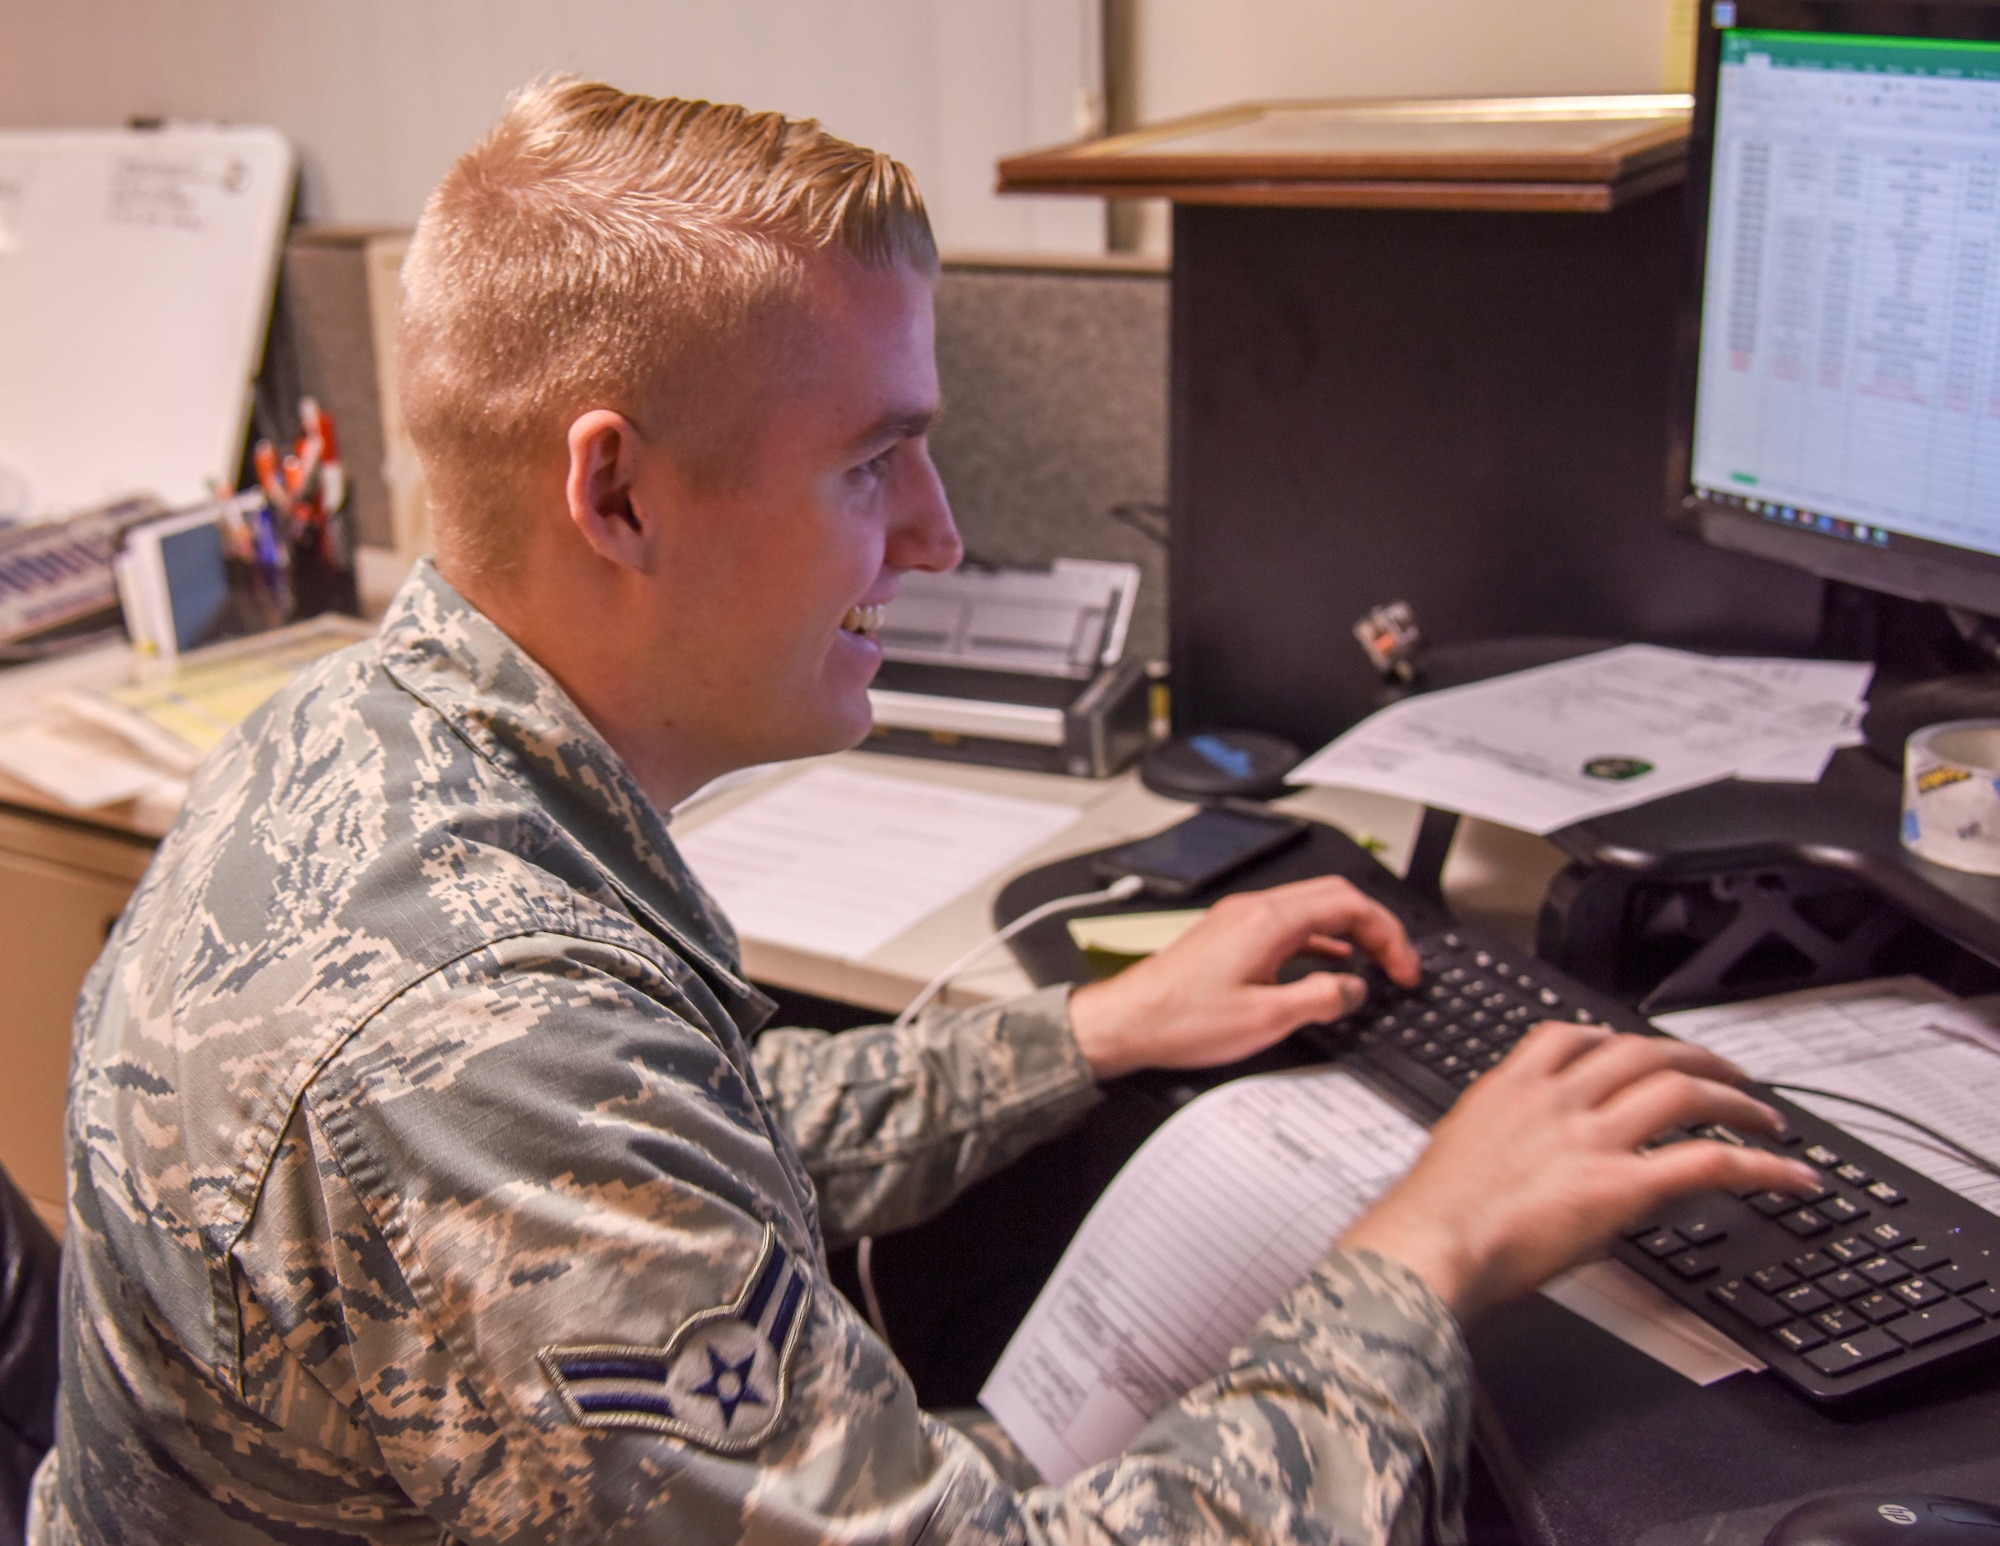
823,733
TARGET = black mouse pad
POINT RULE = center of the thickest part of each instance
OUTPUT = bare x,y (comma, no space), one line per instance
1048,955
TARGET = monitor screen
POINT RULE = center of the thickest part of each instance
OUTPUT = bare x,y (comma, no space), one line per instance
1845,409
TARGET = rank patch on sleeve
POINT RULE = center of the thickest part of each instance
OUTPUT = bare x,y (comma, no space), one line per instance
720,1381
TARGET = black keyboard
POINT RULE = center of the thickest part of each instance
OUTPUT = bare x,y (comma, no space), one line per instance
1877,1277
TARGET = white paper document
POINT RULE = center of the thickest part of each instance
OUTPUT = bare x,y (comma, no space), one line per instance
1900,1043
1543,748
840,862
1218,1215
81,766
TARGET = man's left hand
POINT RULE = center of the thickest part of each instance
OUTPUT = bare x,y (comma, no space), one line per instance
1212,996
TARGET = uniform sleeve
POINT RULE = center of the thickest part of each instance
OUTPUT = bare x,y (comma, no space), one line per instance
892,1124
530,1252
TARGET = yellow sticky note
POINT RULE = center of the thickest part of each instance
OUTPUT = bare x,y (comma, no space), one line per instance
1132,934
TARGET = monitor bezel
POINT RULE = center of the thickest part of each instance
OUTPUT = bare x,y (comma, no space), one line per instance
1909,566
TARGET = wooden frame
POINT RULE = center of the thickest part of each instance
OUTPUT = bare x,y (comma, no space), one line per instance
1502,153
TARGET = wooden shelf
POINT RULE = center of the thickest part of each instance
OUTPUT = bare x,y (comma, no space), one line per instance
1508,153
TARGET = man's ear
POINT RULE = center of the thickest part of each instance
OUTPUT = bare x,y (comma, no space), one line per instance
604,505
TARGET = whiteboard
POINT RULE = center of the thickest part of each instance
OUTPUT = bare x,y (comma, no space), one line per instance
136,274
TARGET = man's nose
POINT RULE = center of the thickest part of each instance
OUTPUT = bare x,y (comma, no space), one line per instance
924,535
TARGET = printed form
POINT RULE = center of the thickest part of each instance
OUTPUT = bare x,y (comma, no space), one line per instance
1899,1042
1543,748
1210,1224
841,862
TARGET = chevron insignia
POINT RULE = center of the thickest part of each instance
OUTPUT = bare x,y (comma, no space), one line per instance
719,1382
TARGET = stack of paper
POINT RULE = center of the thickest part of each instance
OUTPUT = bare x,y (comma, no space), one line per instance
1544,748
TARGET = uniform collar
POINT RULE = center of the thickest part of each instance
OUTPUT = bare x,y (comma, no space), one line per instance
509,709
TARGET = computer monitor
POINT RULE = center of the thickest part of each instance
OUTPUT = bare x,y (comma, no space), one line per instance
1838,406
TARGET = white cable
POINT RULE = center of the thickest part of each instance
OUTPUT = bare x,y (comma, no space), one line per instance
1119,890
864,1267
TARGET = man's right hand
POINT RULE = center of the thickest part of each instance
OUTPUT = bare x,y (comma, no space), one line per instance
1538,1164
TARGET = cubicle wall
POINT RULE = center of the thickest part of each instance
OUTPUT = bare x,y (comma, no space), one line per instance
1466,410
1053,442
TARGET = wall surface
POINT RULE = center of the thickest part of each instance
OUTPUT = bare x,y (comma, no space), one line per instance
380,95
1194,54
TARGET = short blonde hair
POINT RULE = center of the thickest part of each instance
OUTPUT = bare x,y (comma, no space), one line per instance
600,249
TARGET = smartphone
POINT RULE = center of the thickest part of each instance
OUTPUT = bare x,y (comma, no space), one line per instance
1210,844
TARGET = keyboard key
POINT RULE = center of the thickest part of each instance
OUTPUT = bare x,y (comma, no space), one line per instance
1690,1266
1549,998
1805,1223
1703,1232
1852,1174
1878,1306
1851,1353
1918,1292
1811,1265
1771,1204
1985,1300
1881,1271
1940,1320
1957,1276
1845,1284
1798,1337
1758,1309
1886,1194
1822,1156
1839,1322
1803,1299
1840,1210
1851,1251
1771,1279
1921,1256
1662,1243
1886,1235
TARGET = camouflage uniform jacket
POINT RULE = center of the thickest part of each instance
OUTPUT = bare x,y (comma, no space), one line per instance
425,1187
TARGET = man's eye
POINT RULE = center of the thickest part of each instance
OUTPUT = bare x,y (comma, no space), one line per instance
878,466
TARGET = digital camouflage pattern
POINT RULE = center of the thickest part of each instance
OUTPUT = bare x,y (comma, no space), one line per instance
418,1151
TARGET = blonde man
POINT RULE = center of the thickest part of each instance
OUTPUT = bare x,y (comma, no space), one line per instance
426,1183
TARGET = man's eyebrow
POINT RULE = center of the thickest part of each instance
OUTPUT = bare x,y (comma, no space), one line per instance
903,424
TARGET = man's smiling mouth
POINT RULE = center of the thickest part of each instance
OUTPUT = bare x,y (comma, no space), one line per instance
864,620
